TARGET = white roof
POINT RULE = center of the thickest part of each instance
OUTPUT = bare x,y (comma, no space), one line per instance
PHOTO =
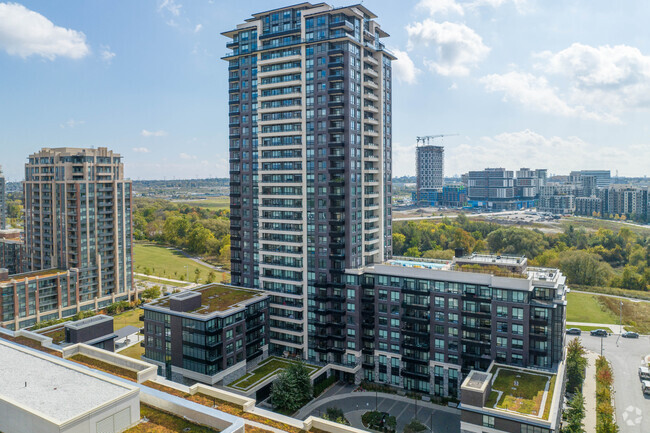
53,389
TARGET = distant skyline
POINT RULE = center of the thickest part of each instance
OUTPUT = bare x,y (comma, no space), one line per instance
525,83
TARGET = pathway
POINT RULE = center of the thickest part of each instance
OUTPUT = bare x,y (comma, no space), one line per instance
610,296
611,326
589,392
185,283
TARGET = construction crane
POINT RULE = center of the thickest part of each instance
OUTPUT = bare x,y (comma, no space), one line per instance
428,138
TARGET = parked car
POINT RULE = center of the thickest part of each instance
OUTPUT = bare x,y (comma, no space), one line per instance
574,331
599,333
629,334
645,386
644,373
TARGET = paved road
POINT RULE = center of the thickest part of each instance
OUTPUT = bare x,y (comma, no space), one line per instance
445,420
632,407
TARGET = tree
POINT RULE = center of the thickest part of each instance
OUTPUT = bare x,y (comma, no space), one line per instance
582,267
517,241
575,366
151,293
292,388
197,274
212,277
575,414
413,252
398,243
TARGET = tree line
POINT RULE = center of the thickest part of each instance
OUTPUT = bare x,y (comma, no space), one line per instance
601,258
194,229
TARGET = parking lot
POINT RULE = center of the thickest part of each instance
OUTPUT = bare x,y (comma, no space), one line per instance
626,355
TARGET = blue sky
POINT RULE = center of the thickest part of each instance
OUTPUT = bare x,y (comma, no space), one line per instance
546,84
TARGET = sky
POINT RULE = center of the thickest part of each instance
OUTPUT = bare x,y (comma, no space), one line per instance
556,84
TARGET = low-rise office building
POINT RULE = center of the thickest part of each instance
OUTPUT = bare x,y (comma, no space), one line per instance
207,334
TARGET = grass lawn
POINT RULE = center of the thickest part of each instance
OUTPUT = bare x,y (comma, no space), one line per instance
593,224
163,422
587,308
136,352
130,317
636,315
160,261
264,370
521,392
212,203
591,328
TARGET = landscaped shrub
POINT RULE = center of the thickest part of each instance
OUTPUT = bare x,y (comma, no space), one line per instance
335,414
320,387
604,409
414,426
381,421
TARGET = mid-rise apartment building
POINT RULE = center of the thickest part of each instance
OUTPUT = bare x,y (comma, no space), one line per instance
603,177
207,334
77,221
310,156
423,325
528,183
430,164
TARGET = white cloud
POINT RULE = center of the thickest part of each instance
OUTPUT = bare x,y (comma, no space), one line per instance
536,93
106,54
613,78
458,47
522,6
440,6
146,133
186,156
530,149
198,28
527,148
140,150
71,123
404,68
24,33
170,6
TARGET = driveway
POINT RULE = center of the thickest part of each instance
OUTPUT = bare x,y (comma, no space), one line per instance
355,404
625,356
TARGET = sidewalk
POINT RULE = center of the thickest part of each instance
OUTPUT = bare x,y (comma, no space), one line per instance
614,327
589,392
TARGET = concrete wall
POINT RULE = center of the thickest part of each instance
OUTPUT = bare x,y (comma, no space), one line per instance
329,426
246,403
145,370
15,419
193,415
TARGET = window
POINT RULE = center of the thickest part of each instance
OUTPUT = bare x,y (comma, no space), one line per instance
519,344
502,311
502,342
439,302
502,327
488,421
518,313
394,296
518,329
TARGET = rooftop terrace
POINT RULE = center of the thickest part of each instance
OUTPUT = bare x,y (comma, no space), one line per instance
214,298
521,391
35,274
